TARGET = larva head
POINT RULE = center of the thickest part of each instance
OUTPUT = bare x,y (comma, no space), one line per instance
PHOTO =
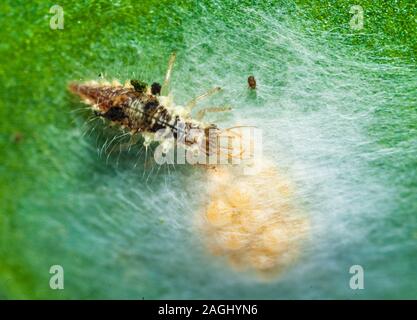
95,94
104,95
107,101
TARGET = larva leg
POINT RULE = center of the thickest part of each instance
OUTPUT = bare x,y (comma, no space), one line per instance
127,145
190,105
202,112
165,85
233,144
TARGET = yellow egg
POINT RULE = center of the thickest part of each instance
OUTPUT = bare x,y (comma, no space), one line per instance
237,261
234,241
250,220
275,238
214,248
219,213
261,260
239,199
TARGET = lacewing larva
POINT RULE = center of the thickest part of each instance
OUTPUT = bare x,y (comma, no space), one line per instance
149,111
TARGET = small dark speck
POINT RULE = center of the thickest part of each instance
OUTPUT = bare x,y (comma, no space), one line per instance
17,137
252,82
